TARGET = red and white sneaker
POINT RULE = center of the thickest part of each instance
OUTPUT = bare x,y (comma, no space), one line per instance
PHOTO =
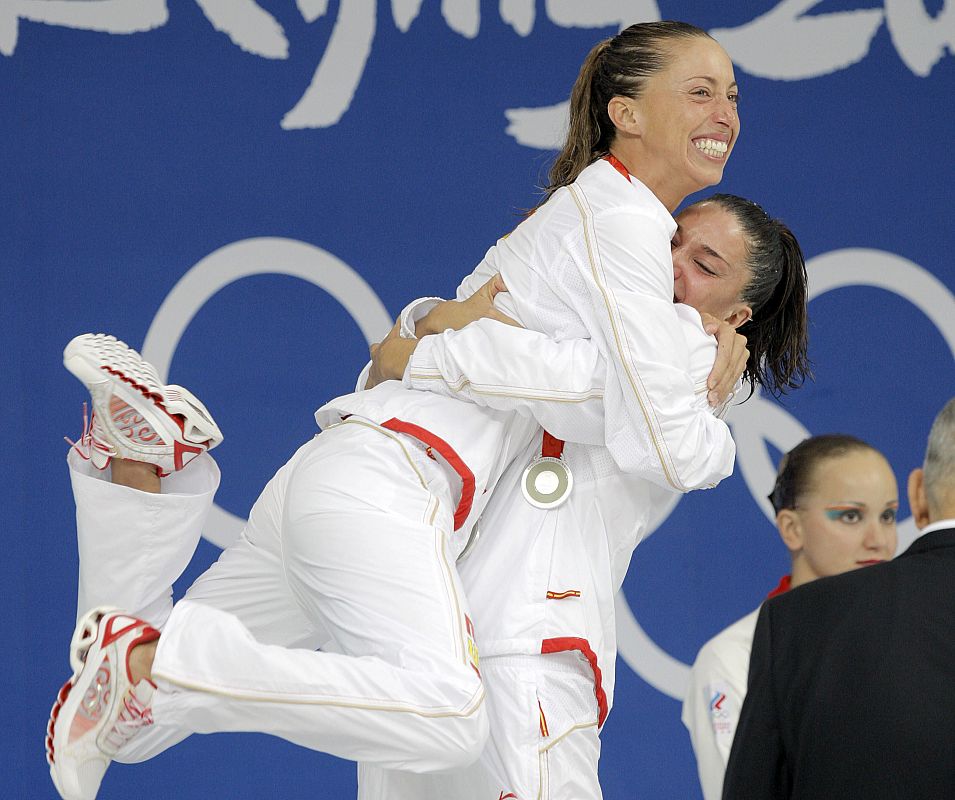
99,709
135,416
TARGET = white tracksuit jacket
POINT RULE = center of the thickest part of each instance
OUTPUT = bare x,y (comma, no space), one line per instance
715,694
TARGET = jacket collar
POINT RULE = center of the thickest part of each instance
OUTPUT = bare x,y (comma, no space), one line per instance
944,537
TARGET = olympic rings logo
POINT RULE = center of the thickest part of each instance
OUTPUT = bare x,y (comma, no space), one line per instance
755,425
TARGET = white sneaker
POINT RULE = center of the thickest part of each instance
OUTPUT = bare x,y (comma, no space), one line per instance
135,416
99,709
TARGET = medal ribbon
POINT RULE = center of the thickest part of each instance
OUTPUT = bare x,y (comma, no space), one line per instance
551,447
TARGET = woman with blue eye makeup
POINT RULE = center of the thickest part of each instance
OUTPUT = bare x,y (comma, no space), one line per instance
836,501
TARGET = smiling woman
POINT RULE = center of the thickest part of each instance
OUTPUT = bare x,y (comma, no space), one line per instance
662,97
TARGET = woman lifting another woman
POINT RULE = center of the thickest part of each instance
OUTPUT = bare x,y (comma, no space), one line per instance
352,545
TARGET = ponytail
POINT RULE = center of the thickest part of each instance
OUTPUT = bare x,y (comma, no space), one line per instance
589,130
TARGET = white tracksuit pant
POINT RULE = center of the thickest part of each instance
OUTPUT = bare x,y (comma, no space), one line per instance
530,754
348,548
133,545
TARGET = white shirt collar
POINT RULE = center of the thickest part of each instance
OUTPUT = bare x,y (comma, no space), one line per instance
939,525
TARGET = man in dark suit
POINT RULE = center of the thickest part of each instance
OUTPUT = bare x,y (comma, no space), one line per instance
852,678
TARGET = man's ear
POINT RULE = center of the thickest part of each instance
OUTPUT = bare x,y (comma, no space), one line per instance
918,499
790,529
740,316
625,115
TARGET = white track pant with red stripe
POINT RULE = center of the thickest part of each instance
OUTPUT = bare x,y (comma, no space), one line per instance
347,547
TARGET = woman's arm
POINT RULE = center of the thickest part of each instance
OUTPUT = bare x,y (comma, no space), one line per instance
655,427
493,362
559,383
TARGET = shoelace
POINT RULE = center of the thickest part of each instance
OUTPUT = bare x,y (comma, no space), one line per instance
91,438
132,718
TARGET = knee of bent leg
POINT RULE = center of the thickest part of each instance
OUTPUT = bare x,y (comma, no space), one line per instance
457,737
464,737
474,736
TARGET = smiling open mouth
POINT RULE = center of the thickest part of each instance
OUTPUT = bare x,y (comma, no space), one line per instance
711,147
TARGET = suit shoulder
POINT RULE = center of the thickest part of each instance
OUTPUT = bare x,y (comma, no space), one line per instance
834,593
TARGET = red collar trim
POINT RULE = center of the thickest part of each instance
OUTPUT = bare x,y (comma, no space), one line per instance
617,164
784,583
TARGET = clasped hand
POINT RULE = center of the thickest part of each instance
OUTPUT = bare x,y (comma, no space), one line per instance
390,356
731,357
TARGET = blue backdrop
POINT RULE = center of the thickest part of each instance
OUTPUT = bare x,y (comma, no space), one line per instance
249,191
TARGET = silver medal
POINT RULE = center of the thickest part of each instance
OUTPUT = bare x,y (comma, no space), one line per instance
547,482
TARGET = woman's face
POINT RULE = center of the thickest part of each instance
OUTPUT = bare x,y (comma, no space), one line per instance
847,518
687,121
709,263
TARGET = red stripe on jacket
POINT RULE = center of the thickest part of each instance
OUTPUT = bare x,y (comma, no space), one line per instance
448,454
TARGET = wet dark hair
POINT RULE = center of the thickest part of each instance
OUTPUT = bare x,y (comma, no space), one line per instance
799,464
615,67
777,292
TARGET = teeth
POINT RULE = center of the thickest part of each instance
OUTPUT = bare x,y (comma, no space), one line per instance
711,147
